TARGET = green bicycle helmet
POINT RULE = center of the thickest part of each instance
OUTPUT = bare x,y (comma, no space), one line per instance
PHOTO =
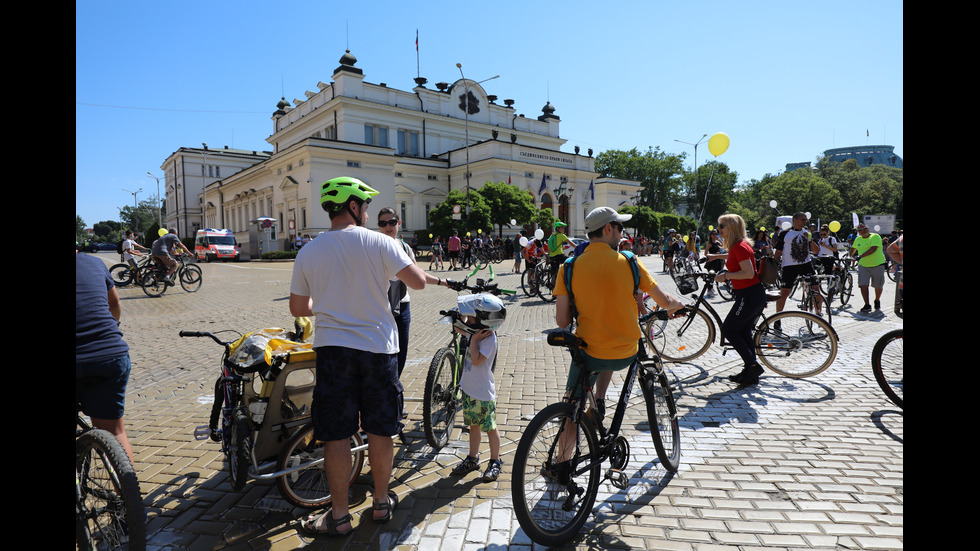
335,193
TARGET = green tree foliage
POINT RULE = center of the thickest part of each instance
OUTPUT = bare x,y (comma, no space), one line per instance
709,194
441,222
507,202
658,172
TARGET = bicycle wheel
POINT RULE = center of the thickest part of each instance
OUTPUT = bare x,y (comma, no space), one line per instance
662,414
886,364
238,447
154,284
547,287
441,398
526,277
110,511
683,338
796,344
846,287
191,277
121,274
553,496
725,290
307,486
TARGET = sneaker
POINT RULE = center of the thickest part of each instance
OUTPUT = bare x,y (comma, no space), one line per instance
877,305
600,404
750,375
866,308
466,466
493,470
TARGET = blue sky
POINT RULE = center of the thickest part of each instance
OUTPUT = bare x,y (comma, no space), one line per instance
784,80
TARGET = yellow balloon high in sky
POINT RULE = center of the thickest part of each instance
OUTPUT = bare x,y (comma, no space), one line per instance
718,143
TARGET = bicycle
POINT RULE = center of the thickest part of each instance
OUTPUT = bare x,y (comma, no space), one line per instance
123,273
109,510
843,284
791,343
886,364
442,395
546,278
813,288
529,278
263,423
559,458
156,281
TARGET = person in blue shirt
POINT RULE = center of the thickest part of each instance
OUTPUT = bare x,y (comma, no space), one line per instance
101,355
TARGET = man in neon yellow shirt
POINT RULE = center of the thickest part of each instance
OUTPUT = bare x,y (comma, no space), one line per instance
871,264
603,289
555,251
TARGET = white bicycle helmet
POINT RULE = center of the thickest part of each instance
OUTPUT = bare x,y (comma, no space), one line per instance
488,310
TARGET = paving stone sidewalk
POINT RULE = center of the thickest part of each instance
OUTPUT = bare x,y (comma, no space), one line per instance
812,463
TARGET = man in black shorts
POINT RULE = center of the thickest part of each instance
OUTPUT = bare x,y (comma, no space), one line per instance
794,247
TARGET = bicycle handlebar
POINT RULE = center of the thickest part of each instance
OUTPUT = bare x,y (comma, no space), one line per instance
480,287
202,334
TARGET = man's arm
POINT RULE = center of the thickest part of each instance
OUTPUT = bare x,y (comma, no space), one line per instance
300,306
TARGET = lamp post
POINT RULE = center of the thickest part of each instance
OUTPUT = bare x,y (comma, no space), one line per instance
204,200
466,113
159,208
135,208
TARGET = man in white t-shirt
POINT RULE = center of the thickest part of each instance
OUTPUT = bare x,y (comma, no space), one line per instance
129,249
794,247
342,278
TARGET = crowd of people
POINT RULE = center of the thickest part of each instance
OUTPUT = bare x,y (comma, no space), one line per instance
358,284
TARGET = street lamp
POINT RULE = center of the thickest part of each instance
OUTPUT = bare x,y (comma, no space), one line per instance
159,207
466,112
135,208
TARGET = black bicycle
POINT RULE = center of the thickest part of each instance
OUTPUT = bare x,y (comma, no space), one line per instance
557,466
792,343
886,363
109,510
155,281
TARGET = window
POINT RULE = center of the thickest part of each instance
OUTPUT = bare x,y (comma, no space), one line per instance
354,164
403,214
375,135
408,143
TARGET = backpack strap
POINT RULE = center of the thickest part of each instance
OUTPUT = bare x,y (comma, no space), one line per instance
567,267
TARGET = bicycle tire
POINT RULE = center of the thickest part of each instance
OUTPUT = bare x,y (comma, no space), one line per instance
547,287
238,448
846,287
526,281
552,503
111,505
154,284
886,364
662,415
308,487
725,290
440,403
799,345
121,274
683,338
191,277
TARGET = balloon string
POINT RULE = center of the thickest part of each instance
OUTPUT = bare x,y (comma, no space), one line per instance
705,203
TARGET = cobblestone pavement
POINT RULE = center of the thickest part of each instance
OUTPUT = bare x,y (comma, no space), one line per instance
811,463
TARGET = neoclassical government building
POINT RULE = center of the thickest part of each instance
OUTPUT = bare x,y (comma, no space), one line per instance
413,146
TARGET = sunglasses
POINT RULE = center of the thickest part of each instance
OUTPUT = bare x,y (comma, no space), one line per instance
618,226
392,222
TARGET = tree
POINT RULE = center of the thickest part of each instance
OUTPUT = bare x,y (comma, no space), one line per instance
441,222
644,220
141,217
710,192
658,172
507,202
545,219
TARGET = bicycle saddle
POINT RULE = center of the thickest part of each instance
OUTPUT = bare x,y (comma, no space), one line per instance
566,339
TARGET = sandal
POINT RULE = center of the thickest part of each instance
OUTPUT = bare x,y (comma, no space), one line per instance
388,508
307,525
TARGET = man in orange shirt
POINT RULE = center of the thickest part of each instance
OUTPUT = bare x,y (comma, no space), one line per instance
604,300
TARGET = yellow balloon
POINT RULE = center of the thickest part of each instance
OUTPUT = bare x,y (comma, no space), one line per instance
711,228
430,236
162,232
718,143
834,226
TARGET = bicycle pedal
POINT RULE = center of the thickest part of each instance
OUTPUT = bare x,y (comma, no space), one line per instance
202,432
618,478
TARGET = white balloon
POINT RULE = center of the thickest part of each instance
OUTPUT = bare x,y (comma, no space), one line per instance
539,233
808,215
877,228
523,241
513,222
772,203
786,225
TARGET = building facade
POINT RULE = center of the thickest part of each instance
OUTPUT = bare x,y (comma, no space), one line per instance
413,146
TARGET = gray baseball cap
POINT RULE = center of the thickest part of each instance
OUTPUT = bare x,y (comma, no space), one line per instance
601,216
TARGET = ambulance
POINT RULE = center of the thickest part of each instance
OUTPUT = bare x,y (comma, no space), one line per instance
212,244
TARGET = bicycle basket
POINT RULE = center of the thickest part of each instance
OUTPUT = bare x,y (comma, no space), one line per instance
687,284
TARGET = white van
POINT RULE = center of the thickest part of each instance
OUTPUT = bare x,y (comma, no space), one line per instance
213,244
